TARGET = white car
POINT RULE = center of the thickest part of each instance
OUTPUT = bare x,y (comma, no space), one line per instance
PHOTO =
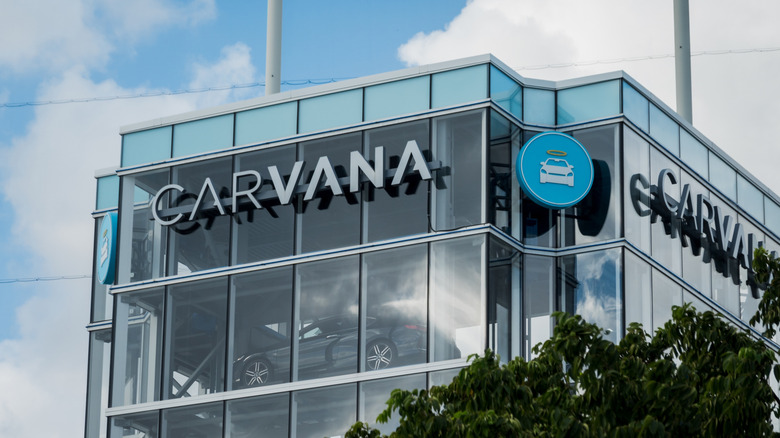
556,171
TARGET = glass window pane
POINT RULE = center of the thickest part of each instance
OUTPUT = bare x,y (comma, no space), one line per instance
397,98
749,304
261,334
374,395
201,421
507,93
725,278
138,347
459,86
443,377
330,111
638,292
538,301
592,289
636,164
635,107
539,106
693,153
195,339
396,210
664,130
695,270
267,123
97,382
503,289
107,192
323,412
666,293
268,232
396,303
326,333
772,212
203,135
266,416
503,205
142,240
203,241
597,216
148,146
750,198
457,193
456,291
665,249
327,220
723,177
102,300
588,102
142,425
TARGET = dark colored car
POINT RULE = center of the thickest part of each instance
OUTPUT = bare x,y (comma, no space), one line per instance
327,347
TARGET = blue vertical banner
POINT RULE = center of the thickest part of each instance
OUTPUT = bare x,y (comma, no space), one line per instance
106,256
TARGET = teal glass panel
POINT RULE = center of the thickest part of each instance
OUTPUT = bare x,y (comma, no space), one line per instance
635,107
459,86
664,130
146,146
539,106
507,93
107,192
330,111
203,135
693,153
772,219
397,98
589,102
723,177
750,198
268,123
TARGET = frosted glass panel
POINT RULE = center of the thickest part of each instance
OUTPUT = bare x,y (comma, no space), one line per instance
268,123
750,198
203,135
664,130
397,98
693,153
330,111
635,107
723,177
539,106
589,102
772,212
107,192
459,86
146,146
507,93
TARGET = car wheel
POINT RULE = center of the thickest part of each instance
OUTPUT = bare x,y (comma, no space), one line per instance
257,372
379,355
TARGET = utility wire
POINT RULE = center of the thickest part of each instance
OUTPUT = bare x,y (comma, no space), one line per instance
300,82
33,279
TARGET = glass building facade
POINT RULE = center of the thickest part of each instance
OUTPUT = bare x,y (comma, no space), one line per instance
283,263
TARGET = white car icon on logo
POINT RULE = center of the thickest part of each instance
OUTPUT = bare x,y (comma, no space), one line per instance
556,171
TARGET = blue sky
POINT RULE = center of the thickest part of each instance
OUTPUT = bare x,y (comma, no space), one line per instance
79,49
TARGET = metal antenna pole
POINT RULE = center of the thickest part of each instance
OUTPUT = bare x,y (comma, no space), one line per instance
682,59
273,48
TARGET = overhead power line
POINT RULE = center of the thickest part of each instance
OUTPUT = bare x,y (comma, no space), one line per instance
299,82
34,279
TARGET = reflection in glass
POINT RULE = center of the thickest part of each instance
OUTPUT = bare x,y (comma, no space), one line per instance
102,300
396,299
262,331
538,304
143,425
695,269
667,251
374,395
725,288
504,139
97,382
588,102
457,192
265,416
325,339
199,421
503,284
636,163
268,232
138,348
749,304
638,291
201,243
591,283
456,291
443,377
195,338
538,225
666,293
396,210
329,221
323,412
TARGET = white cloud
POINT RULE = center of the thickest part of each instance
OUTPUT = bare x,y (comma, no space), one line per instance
46,175
730,92
233,68
55,35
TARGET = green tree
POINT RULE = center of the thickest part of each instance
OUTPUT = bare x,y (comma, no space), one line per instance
696,376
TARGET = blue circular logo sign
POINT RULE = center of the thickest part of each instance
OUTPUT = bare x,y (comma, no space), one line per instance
106,255
554,170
